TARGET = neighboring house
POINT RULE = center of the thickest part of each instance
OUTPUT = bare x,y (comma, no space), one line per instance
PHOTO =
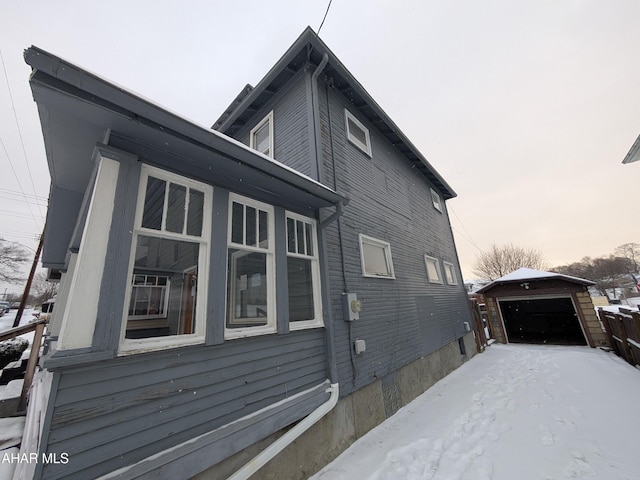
219,286
532,306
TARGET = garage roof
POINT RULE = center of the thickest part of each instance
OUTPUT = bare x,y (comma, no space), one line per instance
530,274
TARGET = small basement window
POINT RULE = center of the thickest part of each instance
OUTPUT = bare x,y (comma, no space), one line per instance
357,133
433,269
375,256
261,136
450,273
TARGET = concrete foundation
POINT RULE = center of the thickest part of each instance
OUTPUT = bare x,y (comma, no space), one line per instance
351,418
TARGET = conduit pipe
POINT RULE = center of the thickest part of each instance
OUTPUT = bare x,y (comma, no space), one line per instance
280,444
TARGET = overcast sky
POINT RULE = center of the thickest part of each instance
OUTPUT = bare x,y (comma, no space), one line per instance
526,107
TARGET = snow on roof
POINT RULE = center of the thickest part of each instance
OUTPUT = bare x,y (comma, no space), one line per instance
524,273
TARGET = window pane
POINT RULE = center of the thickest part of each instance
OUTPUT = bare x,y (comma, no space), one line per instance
432,270
237,223
261,139
307,234
264,229
251,226
246,289
357,132
194,215
300,236
375,260
300,289
153,203
291,235
175,262
175,208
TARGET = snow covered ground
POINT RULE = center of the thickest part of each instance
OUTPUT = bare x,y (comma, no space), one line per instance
520,412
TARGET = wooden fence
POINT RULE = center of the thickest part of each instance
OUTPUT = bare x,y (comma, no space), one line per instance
623,330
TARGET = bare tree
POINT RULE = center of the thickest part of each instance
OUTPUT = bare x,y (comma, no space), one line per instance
608,273
630,251
499,261
42,290
12,258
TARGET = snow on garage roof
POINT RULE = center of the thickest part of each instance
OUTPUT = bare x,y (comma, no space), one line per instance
532,274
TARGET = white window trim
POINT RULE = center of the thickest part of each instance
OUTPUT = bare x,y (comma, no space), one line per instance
271,326
386,246
366,148
138,345
318,320
268,119
436,200
454,278
438,280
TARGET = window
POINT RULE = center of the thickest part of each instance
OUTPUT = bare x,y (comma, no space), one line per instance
433,269
375,256
303,273
168,262
435,199
261,136
357,133
250,269
450,273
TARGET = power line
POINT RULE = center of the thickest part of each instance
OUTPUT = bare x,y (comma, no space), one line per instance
15,116
469,238
18,180
325,17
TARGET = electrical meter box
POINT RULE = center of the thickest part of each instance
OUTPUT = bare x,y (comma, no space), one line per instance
352,306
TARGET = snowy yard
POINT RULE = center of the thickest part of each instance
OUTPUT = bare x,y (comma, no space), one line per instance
520,412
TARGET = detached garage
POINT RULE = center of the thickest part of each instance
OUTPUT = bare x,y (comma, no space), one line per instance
531,306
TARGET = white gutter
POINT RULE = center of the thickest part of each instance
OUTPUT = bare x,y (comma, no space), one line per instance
281,443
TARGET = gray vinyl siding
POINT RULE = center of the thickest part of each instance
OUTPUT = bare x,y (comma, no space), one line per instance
111,414
291,132
405,318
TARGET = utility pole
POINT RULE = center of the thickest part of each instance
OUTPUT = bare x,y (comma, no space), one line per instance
27,287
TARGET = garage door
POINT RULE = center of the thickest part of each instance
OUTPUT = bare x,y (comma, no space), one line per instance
548,320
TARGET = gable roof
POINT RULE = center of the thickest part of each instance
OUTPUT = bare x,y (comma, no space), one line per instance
309,48
529,274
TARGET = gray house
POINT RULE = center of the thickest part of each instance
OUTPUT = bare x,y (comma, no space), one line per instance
289,274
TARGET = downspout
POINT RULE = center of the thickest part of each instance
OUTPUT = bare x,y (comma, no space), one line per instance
334,389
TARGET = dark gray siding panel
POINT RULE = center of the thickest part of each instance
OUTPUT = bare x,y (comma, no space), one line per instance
132,407
291,132
403,318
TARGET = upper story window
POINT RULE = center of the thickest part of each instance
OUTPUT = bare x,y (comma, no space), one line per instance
375,257
251,269
303,273
261,136
168,265
435,199
357,133
434,274
450,273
